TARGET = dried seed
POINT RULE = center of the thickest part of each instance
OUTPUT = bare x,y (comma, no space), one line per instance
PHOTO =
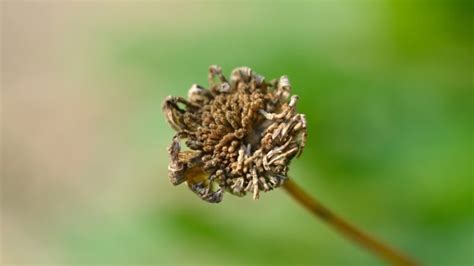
242,133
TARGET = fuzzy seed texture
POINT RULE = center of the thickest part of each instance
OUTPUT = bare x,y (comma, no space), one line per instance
240,134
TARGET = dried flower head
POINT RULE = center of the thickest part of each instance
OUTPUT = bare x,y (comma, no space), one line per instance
241,134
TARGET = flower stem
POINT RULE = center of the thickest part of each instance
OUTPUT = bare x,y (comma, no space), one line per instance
383,251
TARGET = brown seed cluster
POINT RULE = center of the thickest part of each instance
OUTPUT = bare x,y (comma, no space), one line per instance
241,134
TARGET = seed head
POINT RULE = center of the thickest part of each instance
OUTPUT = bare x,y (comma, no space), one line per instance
241,134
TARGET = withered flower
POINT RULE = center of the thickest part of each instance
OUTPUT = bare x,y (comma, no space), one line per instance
241,134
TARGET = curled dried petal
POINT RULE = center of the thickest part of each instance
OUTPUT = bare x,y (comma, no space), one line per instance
243,134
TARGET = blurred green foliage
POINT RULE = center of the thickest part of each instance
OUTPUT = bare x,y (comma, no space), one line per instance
387,89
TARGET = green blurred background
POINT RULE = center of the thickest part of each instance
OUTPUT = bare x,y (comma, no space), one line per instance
387,88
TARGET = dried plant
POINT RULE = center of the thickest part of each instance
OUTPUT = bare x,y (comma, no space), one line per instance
241,135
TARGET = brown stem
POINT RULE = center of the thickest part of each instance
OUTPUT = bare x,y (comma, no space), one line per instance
385,252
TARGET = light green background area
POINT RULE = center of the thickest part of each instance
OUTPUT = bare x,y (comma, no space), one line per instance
386,87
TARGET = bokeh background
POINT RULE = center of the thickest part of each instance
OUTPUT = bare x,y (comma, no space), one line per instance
387,88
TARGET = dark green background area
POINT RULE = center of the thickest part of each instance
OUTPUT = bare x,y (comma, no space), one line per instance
386,87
